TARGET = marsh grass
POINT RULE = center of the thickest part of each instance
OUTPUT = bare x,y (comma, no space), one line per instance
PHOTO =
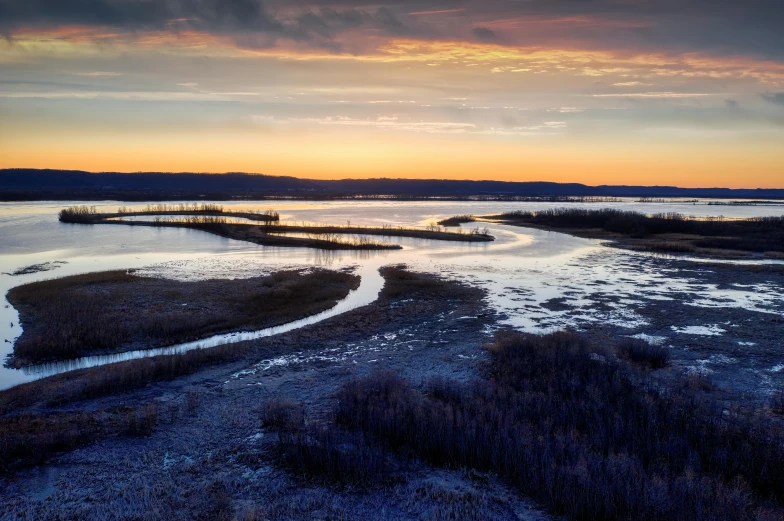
757,234
584,433
457,220
79,214
90,214
399,281
118,310
29,439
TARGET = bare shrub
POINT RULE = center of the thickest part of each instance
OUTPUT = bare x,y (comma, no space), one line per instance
642,353
579,434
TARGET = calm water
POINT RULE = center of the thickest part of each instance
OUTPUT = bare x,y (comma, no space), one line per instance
521,269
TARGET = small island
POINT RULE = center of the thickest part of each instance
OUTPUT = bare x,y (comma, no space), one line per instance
661,233
118,311
270,232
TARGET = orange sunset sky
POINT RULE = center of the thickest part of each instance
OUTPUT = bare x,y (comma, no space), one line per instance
687,93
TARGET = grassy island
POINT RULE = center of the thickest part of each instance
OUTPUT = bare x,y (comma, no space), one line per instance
457,220
664,232
118,311
90,215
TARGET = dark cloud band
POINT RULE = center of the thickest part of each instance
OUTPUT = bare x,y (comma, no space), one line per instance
751,27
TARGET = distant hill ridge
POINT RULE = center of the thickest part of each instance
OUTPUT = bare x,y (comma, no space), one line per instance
32,184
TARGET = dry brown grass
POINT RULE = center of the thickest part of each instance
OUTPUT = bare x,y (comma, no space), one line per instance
118,311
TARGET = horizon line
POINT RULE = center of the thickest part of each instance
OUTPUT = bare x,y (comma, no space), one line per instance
182,172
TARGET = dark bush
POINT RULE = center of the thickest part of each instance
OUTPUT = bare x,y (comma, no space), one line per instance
333,456
582,433
283,416
79,214
642,353
777,401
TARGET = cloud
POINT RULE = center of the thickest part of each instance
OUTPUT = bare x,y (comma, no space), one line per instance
675,27
656,95
427,127
248,23
484,34
437,11
776,98
98,74
217,15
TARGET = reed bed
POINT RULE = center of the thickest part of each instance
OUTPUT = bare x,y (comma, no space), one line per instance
756,234
119,311
90,215
571,424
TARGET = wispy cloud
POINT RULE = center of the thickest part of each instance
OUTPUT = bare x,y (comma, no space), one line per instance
429,127
655,95
98,74
630,84
438,11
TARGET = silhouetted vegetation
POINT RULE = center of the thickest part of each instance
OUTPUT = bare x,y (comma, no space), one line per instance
457,220
585,433
90,215
433,232
777,401
319,236
679,233
277,236
642,353
79,214
119,311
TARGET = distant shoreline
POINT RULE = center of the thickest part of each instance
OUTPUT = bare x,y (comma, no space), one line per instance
7,196
27,184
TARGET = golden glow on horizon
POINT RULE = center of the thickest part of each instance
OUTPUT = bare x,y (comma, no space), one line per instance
328,157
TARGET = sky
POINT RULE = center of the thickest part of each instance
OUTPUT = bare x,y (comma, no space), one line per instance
652,92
